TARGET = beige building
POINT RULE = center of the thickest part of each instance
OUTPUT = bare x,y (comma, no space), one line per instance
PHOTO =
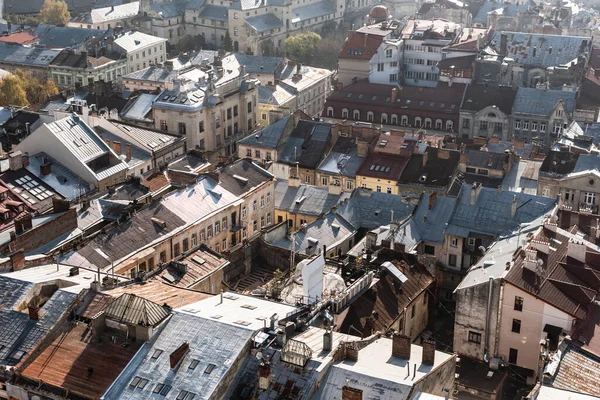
107,17
70,69
142,50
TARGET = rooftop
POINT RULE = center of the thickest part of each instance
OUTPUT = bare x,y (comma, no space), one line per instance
306,144
270,136
133,40
383,166
22,38
369,210
243,177
36,56
304,199
578,372
264,22
433,168
139,108
200,264
123,11
61,37
542,101
343,159
478,97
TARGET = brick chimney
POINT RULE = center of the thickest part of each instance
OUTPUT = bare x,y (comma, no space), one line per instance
34,312
17,260
401,346
60,205
128,151
351,352
350,393
176,356
264,376
394,95
117,147
428,352
23,223
45,167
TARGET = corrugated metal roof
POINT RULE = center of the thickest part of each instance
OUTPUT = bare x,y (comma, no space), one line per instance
133,310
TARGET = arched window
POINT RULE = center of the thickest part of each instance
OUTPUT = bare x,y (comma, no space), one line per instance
492,115
418,121
394,119
427,122
404,121
330,111
356,115
235,16
384,118
449,125
370,116
345,113
438,124
236,31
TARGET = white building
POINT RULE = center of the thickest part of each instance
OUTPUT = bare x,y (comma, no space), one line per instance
142,50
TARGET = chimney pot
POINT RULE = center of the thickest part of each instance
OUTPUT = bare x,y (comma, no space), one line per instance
401,346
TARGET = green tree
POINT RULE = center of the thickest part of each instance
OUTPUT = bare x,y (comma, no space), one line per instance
54,12
301,48
227,42
186,44
12,92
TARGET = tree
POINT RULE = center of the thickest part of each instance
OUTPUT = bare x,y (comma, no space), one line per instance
227,42
54,12
12,92
184,45
300,48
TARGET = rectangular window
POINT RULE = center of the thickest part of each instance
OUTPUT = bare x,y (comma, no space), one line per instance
474,337
454,242
262,222
182,128
534,126
483,125
268,198
257,153
452,259
542,127
254,206
526,125
235,111
378,188
186,245
224,223
589,198
194,240
512,356
249,106
248,152
217,228
516,325
517,124
268,157
269,220
201,126
163,125
176,250
413,311
518,303
202,236
429,250
244,212
229,113
379,67
224,244
209,231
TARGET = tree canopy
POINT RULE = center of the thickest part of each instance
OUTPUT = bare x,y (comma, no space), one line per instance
301,47
227,42
22,88
12,92
54,12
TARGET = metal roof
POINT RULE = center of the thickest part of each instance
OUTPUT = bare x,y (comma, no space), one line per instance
133,40
304,199
268,137
252,174
343,159
542,101
368,209
66,36
133,310
139,108
276,95
61,179
128,10
314,10
264,22
27,55
213,12
211,343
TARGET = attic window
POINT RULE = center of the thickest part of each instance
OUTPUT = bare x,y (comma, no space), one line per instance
156,354
194,364
139,383
162,389
377,212
249,306
185,395
209,368
300,200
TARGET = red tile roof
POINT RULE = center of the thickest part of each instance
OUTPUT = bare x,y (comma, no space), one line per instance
360,46
22,38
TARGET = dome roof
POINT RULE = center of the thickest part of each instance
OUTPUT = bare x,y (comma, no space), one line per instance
378,13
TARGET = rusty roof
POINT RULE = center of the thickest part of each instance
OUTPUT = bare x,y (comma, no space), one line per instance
384,301
562,281
159,292
586,333
134,310
200,263
578,372
66,361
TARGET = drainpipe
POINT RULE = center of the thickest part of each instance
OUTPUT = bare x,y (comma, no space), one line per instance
487,321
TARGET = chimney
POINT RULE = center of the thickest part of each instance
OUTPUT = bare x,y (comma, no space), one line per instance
264,375
351,352
428,352
60,205
45,167
394,95
362,148
365,42
350,393
176,356
214,175
13,236
513,206
432,198
117,147
327,341
475,189
107,141
128,151
503,44
15,160
18,227
401,346
23,224
17,260
34,312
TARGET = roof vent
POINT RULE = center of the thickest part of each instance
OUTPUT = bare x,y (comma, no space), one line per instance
300,200
241,178
159,222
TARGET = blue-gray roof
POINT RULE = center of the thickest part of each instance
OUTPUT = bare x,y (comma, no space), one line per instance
307,144
210,343
491,213
343,159
533,49
259,64
215,13
587,162
269,136
264,22
138,108
592,130
368,209
169,9
510,10
313,10
27,55
304,199
18,333
542,101
433,228
65,36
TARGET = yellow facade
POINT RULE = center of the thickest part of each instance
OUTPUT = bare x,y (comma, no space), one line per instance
377,184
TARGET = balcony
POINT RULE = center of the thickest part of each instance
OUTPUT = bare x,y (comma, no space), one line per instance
588,208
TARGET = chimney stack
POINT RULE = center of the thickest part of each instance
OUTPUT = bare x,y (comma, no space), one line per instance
394,95
264,375
60,205
327,341
34,312
128,151
350,393
15,160
176,356
45,167
428,352
475,189
117,147
401,346
513,206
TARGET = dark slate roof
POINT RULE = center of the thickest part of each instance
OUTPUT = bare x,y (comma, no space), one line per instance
264,22
549,50
253,176
308,142
510,10
384,166
133,310
438,171
18,333
215,13
34,6
559,162
259,64
369,210
485,159
314,200
169,9
313,10
269,136
65,36
478,97
343,159
385,300
542,101
592,130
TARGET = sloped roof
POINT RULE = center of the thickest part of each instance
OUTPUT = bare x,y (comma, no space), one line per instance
343,159
269,136
133,40
133,310
243,176
578,372
128,10
542,101
307,144
303,199
478,97
313,10
264,22
213,12
65,36
369,210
